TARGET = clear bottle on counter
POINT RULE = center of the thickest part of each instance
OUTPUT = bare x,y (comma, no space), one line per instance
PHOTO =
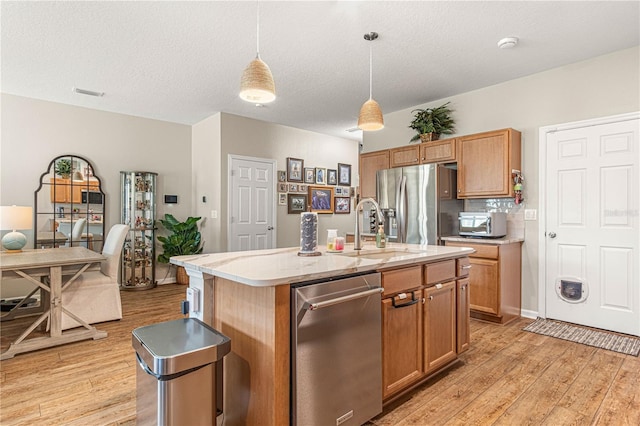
332,234
381,239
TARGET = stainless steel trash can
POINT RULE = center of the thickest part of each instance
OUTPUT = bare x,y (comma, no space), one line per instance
176,380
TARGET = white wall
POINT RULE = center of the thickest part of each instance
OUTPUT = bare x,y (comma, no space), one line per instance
34,132
602,86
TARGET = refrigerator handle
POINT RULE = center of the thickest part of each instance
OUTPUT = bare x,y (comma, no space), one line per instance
402,209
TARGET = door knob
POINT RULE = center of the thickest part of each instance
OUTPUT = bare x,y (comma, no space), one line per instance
552,234
269,228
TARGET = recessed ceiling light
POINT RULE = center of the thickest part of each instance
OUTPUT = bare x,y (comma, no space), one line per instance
87,92
508,42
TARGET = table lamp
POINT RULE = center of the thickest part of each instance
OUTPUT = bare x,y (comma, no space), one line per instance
14,218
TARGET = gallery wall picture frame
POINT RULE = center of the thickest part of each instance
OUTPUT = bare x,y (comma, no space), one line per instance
282,199
295,166
332,177
321,199
283,187
302,188
309,175
282,176
296,203
293,187
321,176
342,205
344,174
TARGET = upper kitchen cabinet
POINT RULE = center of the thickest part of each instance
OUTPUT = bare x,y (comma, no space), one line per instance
405,156
485,161
443,151
370,163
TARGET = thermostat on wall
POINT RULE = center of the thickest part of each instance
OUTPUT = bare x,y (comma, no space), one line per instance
171,199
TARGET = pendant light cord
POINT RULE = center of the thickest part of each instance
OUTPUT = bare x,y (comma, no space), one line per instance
370,71
257,29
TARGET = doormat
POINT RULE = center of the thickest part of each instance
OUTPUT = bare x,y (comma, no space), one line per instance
629,345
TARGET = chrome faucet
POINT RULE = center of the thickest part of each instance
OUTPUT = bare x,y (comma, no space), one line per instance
357,244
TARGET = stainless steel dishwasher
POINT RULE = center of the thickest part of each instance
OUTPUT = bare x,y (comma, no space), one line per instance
336,353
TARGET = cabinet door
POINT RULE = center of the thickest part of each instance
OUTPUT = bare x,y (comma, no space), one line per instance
405,156
438,151
485,162
401,342
60,190
463,330
484,292
440,342
370,163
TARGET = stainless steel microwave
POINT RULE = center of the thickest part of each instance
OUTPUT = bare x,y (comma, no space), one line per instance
91,197
483,224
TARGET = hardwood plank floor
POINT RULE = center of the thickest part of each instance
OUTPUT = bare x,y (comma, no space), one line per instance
508,377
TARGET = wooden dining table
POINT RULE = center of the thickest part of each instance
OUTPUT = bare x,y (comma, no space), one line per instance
61,267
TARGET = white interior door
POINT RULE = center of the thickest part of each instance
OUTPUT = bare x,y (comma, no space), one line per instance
592,227
251,203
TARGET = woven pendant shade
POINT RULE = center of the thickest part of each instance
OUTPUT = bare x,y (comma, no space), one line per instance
257,83
370,117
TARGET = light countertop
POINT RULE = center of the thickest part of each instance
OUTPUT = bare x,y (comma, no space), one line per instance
266,268
476,240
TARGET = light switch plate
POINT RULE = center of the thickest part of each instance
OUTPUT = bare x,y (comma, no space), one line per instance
193,297
530,214
214,214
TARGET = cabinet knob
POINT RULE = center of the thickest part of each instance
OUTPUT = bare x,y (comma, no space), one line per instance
430,297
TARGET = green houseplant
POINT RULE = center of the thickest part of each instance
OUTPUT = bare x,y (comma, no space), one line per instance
184,238
63,168
430,123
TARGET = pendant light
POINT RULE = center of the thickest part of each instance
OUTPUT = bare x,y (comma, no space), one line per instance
257,85
370,117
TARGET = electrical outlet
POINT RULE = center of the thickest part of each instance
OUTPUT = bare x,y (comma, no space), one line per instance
214,214
193,298
530,214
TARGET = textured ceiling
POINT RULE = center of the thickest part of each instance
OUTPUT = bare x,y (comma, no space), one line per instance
181,61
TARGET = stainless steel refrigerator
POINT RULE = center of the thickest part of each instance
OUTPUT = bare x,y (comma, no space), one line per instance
419,203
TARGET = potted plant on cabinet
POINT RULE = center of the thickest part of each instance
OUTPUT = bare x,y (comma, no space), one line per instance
430,123
63,168
185,238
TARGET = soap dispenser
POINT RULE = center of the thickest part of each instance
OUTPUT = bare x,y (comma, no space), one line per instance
381,239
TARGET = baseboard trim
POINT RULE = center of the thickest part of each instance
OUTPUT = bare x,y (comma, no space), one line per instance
528,314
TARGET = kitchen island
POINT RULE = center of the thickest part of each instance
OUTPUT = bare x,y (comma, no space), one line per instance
246,296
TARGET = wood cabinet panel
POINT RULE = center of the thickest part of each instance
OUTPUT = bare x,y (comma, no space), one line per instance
439,272
405,156
485,161
485,296
439,326
400,280
462,267
438,151
401,342
370,163
463,333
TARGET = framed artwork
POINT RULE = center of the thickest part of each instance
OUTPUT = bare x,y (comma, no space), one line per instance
296,203
321,176
282,199
293,187
321,198
282,176
294,169
332,177
344,174
283,187
309,175
302,188
338,190
342,205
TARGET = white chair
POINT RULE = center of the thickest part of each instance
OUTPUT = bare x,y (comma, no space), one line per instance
95,295
78,234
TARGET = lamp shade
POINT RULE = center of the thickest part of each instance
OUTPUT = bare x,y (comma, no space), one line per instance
257,83
370,117
15,217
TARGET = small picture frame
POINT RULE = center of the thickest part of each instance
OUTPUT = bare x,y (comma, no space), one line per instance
302,188
338,190
282,176
342,205
296,203
321,176
282,199
332,177
283,187
293,187
309,175
295,166
321,199
344,174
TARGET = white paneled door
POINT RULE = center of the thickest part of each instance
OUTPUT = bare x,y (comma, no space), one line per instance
592,232
251,204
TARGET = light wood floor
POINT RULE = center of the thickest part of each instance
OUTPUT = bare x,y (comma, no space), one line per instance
508,377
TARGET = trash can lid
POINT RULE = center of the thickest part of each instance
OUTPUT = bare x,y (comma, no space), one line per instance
175,346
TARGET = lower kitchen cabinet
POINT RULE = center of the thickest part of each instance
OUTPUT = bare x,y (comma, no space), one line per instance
462,322
401,341
440,340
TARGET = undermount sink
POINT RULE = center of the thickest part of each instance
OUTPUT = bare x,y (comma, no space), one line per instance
387,254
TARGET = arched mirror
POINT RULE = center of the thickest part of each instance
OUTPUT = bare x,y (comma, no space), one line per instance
69,205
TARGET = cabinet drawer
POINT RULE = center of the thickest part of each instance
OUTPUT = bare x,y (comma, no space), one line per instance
439,272
487,251
462,267
401,280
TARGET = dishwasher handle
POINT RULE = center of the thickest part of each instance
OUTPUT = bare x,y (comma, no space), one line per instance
319,305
